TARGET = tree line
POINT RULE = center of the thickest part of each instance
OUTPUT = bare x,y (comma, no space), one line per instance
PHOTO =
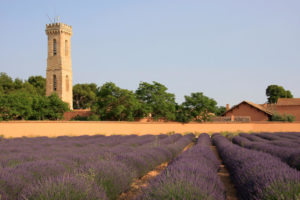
110,102
26,100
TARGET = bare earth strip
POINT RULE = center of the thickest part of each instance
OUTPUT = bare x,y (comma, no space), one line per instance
138,184
223,173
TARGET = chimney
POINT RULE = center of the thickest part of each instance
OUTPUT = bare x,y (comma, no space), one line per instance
265,105
227,107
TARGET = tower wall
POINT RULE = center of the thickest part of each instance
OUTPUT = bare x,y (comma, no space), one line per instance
59,62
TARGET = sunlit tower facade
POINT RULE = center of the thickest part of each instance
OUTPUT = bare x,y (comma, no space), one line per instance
59,64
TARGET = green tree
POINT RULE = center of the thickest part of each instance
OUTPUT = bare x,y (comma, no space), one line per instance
114,103
274,92
156,100
40,108
196,107
182,114
55,107
21,105
84,95
15,106
220,110
18,84
39,83
6,83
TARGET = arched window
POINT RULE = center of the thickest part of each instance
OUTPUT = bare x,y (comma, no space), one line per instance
67,83
54,82
66,47
54,47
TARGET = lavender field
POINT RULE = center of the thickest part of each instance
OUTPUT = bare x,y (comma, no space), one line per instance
86,167
261,166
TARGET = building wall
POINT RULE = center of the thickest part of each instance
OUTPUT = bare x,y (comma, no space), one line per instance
294,110
245,109
72,128
78,112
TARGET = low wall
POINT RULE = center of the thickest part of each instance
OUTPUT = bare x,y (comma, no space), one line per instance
75,128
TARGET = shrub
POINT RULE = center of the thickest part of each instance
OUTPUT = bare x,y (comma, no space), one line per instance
283,118
258,175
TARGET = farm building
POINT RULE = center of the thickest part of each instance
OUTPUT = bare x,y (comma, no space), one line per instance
288,106
263,112
255,111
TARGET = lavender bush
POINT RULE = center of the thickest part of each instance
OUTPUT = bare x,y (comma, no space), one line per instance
258,175
192,175
284,148
67,187
105,165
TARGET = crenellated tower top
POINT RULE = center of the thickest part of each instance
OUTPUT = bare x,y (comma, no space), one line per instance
55,28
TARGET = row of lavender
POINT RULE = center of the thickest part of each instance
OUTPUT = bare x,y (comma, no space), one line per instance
258,175
192,175
85,167
285,146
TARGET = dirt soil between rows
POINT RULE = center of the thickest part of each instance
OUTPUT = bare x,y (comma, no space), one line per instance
138,184
224,175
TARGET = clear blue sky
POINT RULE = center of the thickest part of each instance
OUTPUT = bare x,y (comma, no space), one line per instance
229,50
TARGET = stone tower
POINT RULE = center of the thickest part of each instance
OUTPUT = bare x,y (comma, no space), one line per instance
59,65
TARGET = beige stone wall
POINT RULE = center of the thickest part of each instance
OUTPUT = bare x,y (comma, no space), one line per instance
72,128
60,64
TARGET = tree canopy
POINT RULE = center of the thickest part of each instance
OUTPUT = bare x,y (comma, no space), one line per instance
196,107
274,92
25,106
34,84
84,95
26,100
155,100
39,83
114,103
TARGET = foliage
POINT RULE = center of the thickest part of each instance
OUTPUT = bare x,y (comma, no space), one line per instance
92,117
84,95
114,103
182,114
220,110
274,92
109,102
6,83
56,108
27,101
34,85
284,118
155,100
196,107
15,106
39,83
24,106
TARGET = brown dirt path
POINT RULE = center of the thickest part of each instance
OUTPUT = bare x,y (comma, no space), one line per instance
223,173
140,183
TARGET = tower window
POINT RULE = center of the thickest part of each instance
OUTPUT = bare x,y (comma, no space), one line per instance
67,83
54,82
54,47
66,47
